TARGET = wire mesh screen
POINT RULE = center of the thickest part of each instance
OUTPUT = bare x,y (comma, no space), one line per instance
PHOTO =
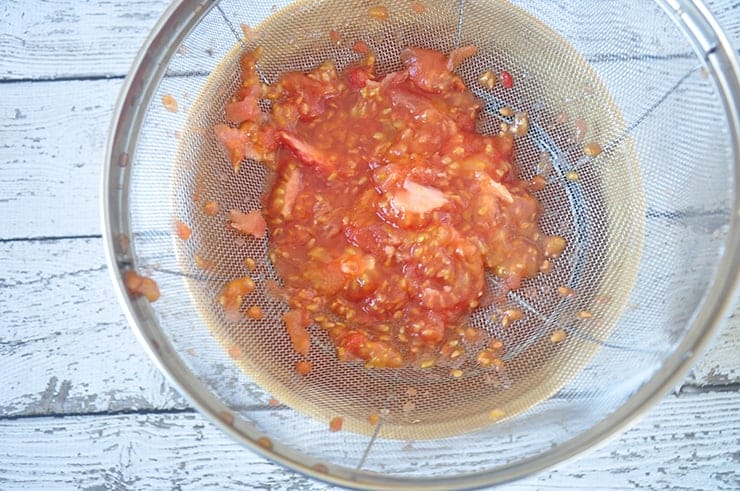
644,220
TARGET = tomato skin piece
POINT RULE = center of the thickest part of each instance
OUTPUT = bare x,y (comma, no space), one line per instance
378,12
252,139
459,55
233,141
416,103
305,152
245,110
250,223
418,7
429,70
211,208
255,312
417,198
336,424
295,324
248,64
292,187
394,79
251,87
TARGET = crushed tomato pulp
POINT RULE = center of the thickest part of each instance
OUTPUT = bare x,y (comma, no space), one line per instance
387,207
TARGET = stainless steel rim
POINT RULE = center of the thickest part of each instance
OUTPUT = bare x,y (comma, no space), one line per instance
692,17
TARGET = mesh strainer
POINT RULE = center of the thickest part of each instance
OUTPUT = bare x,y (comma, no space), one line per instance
651,224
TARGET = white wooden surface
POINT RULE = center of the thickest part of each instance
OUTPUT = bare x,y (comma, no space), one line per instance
81,406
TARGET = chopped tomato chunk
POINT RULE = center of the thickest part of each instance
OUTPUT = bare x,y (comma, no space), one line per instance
141,285
358,77
387,210
250,223
233,293
307,91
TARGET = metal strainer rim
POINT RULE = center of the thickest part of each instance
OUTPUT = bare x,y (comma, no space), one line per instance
693,18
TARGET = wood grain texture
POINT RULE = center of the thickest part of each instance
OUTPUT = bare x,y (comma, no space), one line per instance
721,364
99,38
67,38
728,16
65,346
674,447
52,147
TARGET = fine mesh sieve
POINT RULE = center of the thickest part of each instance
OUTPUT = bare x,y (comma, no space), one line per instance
650,225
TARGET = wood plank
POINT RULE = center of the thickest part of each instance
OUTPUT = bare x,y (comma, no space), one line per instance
52,146
720,364
673,447
99,38
70,39
687,442
728,16
65,345
68,349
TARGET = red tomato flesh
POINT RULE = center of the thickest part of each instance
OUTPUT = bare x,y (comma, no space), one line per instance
388,208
